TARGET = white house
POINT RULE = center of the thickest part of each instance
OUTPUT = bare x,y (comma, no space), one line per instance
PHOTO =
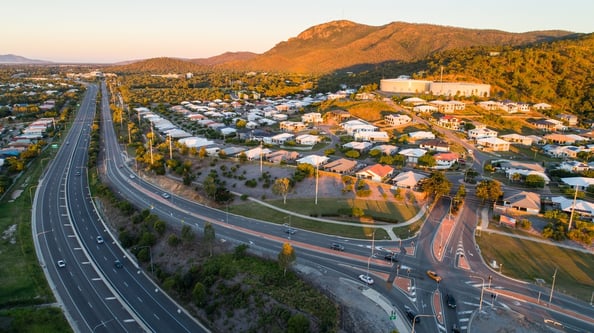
378,136
479,133
493,144
315,160
312,117
421,135
307,139
407,179
357,145
386,149
356,126
397,119
412,154
517,138
445,160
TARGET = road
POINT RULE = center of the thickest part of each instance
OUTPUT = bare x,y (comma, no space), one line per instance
96,294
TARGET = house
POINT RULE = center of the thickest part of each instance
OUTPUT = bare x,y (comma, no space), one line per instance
581,183
489,105
445,160
281,156
574,166
493,144
195,142
312,117
511,172
435,145
421,135
527,202
338,115
448,106
358,146
412,154
581,207
517,138
548,124
450,122
413,101
257,153
376,172
561,151
279,139
407,179
397,119
356,126
570,119
292,126
378,136
479,133
341,166
424,109
560,139
386,149
315,160
307,139
541,106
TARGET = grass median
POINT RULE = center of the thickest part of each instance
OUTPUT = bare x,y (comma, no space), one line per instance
528,261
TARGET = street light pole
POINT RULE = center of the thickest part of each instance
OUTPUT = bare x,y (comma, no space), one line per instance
482,290
553,286
372,246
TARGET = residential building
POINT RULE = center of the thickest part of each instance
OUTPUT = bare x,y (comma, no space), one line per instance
445,160
312,117
517,138
376,172
525,202
386,149
560,139
358,146
292,126
480,133
570,119
421,135
435,145
378,136
315,160
581,207
279,139
397,119
424,108
450,122
257,153
307,139
407,179
541,106
412,154
281,156
356,126
581,183
493,144
574,166
342,166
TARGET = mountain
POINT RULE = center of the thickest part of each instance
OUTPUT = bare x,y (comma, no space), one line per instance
15,59
158,66
225,58
341,44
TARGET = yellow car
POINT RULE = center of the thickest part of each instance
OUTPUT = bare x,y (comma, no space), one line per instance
434,276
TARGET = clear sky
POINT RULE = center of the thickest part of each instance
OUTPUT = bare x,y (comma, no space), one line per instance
105,31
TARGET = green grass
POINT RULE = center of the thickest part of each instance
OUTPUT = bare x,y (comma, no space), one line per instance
23,286
526,260
256,210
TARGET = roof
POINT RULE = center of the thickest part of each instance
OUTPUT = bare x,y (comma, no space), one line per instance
377,170
408,178
524,199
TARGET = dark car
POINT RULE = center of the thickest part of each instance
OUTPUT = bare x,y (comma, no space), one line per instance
118,264
391,257
290,231
412,316
451,301
337,247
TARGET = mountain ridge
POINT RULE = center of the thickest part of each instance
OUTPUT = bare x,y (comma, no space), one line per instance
9,59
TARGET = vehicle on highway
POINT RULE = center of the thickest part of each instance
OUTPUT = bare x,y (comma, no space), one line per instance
120,166
99,240
165,195
455,329
412,316
366,278
132,176
391,257
290,231
61,263
451,301
78,173
434,276
118,264
337,247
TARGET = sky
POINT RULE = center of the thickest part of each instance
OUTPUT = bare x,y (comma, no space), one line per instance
107,31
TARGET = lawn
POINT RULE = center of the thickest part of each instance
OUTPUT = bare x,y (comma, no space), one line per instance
526,260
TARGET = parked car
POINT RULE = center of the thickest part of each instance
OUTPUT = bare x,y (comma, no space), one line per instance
434,276
61,263
366,278
337,247
412,316
99,240
118,264
451,301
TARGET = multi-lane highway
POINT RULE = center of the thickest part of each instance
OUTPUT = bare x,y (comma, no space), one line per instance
98,293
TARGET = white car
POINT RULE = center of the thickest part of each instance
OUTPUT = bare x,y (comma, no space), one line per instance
132,176
366,278
61,263
99,240
166,195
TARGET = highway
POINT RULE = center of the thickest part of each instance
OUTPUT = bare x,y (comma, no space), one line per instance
96,294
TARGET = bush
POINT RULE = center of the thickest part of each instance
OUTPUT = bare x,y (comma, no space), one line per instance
173,240
251,183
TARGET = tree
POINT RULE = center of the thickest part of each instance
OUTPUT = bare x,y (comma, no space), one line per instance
488,190
437,184
210,186
199,294
298,324
427,160
209,236
535,181
352,154
516,177
187,234
281,187
160,227
286,257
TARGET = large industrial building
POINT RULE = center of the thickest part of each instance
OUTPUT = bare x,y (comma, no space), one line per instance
405,85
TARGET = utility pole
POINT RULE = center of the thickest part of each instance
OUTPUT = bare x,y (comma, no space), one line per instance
572,208
552,286
317,176
170,148
151,143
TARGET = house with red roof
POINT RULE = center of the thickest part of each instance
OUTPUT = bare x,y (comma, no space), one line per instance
376,172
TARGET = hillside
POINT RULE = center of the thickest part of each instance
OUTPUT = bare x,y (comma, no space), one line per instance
157,66
224,58
11,59
342,44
